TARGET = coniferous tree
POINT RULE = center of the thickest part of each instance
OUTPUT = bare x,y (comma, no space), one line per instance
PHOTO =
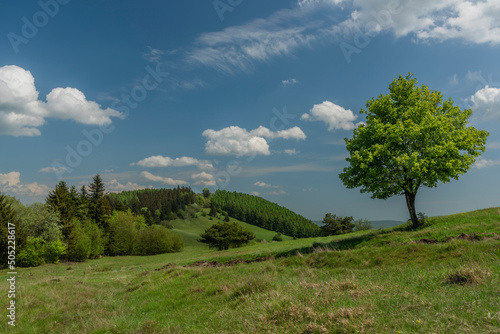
99,208
61,201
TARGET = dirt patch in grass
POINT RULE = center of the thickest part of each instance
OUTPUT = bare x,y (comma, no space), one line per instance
463,236
468,275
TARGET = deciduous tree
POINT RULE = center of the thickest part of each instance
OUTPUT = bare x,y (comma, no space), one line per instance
411,139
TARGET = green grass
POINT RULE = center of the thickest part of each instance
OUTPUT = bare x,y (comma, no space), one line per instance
383,281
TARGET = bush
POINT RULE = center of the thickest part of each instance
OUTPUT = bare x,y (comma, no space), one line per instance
123,233
54,251
226,235
79,243
153,240
277,237
32,254
130,235
38,252
97,239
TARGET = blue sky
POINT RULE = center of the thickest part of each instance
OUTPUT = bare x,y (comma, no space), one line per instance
250,96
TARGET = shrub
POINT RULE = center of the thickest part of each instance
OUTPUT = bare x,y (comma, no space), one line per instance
158,240
277,237
225,235
53,251
97,239
123,233
79,243
32,254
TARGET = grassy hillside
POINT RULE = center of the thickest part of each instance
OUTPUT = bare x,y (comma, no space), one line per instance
442,278
191,228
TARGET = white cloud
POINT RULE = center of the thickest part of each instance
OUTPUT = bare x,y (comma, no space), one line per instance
289,82
255,193
236,141
486,102
11,183
282,33
165,180
277,193
485,163
335,116
22,113
160,161
70,103
115,187
56,170
203,179
439,20
264,185
237,48
291,151
292,133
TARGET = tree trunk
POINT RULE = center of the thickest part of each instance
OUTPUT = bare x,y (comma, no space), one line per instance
410,203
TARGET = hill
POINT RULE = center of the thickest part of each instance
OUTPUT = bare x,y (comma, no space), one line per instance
263,213
441,278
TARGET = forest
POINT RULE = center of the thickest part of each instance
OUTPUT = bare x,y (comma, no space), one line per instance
260,212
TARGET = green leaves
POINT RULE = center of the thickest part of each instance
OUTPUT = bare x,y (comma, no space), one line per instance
411,139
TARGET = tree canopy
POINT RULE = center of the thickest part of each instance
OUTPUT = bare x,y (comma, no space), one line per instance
412,138
226,235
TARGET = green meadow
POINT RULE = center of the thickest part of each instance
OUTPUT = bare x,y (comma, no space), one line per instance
441,278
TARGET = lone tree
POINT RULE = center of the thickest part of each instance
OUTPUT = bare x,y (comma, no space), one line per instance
226,235
411,139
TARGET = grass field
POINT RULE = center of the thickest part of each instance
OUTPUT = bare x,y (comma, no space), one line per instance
442,278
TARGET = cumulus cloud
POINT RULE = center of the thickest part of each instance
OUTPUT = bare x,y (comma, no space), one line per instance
165,180
115,187
236,141
255,193
11,183
161,161
22,113
333,115
486,102
203,179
